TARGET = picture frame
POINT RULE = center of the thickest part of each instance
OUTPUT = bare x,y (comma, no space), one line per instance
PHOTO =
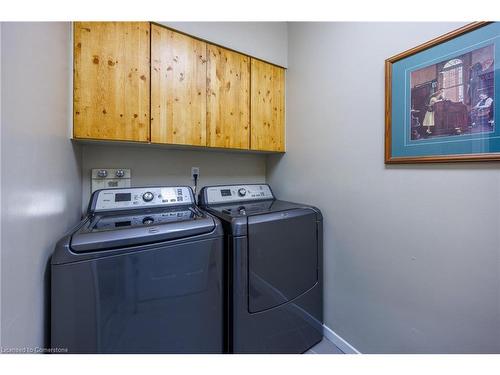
441,98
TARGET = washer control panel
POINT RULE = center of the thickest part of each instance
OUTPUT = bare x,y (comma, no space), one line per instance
137,220
236,193
132,198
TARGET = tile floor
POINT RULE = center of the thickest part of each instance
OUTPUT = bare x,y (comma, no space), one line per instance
324,347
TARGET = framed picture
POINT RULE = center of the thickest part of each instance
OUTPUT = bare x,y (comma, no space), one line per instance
441,98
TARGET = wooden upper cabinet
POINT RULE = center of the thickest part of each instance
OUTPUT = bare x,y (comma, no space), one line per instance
137,81
228,98
268,107
178,88
111,80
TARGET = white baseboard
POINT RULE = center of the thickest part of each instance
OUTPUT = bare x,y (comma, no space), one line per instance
339,341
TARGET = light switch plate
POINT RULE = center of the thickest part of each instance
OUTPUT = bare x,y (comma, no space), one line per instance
106,178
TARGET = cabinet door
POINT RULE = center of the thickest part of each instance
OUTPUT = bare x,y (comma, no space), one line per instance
111,80
228,98
178,88
268,107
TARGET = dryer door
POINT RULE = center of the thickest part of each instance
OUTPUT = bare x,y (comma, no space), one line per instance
282,257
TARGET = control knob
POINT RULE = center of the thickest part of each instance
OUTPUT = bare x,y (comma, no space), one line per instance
120,173
148,220
147,196
242,192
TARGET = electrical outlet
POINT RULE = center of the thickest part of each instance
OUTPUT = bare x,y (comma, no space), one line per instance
195,170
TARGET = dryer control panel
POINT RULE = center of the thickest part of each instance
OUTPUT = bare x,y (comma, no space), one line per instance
135,198
235,193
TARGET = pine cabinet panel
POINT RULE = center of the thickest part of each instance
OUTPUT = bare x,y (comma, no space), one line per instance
137,81
267,107
178,88
228,98
111,80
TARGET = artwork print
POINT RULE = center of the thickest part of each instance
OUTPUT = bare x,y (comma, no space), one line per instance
441,98
454,97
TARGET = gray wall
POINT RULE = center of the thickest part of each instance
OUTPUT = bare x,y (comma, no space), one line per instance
161,166
152,165
412,259
265,40
0,185
41,183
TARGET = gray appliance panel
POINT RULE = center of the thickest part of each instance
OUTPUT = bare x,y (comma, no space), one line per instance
210,195
282,257
138,198
164,300
291,327
140,218
86,239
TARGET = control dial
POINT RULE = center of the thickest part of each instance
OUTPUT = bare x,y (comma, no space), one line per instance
148,220
148,196
242,192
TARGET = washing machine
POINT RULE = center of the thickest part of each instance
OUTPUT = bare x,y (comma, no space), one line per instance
274,269
141,273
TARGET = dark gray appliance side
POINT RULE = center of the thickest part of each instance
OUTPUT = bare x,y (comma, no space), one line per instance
291,327
160,297
283,324
167,299
274,263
